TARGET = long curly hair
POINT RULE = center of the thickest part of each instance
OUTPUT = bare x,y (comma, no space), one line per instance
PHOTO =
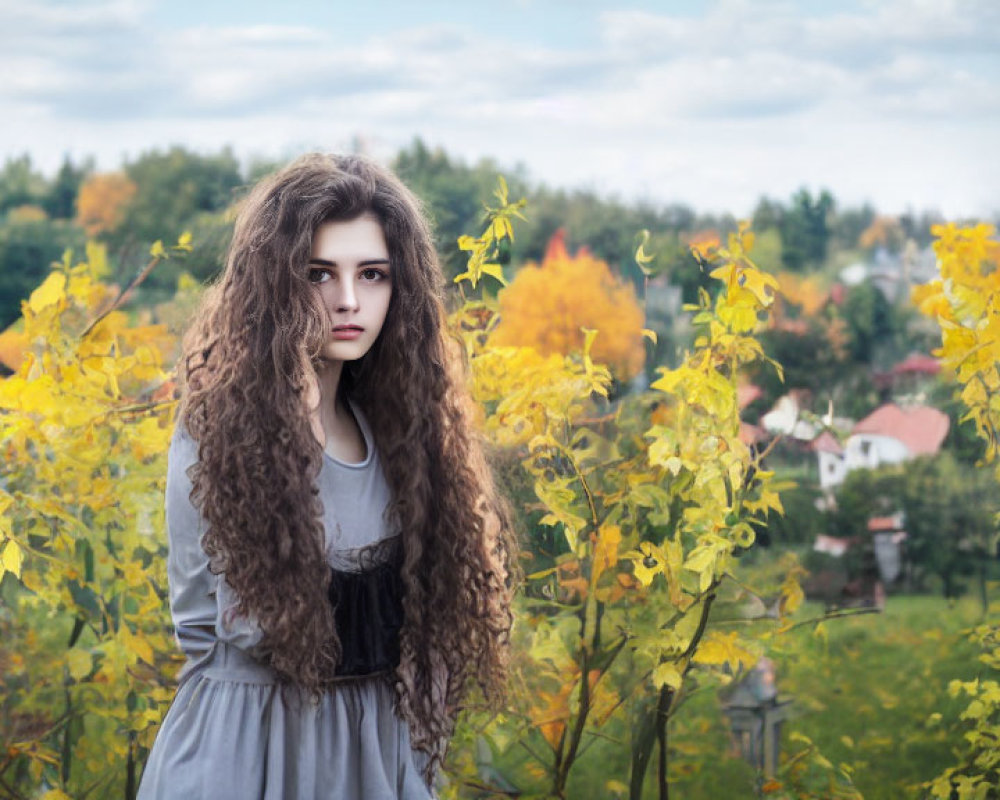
248,362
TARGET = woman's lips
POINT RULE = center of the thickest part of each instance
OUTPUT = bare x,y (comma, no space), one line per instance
347,332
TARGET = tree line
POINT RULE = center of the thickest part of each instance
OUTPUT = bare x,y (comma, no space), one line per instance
161,193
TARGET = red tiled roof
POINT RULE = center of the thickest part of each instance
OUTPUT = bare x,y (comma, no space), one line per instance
917,362
826,442
883,523
748,392
921,428
751,434
834,545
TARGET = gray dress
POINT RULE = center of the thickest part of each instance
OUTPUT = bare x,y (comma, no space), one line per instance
229,733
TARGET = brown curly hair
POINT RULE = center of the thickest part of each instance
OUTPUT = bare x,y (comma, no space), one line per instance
245,374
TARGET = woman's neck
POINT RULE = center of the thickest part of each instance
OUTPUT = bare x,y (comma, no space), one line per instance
328,373
333,423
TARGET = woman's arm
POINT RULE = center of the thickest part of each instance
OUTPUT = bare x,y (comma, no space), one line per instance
202,604
192,586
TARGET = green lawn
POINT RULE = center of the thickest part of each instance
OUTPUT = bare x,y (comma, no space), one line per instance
863,694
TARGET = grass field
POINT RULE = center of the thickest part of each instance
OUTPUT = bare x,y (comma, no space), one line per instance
863,693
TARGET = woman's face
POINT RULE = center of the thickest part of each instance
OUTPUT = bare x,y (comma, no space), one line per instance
349,266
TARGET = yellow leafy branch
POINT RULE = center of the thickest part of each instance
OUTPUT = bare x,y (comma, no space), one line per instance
484,249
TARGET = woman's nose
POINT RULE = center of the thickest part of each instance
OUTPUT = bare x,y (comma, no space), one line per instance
347,298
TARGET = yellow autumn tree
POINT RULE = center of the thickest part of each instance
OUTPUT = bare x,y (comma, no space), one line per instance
884,231
547,305
27,213
632,522
965,302
803,292
86,656
101,202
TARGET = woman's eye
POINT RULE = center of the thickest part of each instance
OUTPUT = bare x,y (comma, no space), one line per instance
372,274
318,275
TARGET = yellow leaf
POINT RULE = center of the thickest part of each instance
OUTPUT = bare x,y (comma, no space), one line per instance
137,644
667,674
157,251
12,557
724,648
79,663
501,191
647,562
791,595
606,549
701,559
496,271
52,291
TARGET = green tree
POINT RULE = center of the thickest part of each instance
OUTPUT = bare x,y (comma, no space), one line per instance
173,187
870,325
176,191
801,522
27,251
805,230
20,184
849,224
60,202
950,509
812,359
768,214
452,193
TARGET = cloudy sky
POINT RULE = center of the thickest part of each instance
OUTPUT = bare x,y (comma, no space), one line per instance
708,103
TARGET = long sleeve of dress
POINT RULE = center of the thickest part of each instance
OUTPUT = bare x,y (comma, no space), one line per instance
202,604
192,588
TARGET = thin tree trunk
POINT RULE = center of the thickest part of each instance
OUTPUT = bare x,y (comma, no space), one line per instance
983,594
642,751
662,717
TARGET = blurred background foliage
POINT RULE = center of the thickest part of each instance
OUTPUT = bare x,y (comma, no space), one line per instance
874,712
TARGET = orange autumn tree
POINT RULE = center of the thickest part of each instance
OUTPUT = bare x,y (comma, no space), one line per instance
101,203
547,305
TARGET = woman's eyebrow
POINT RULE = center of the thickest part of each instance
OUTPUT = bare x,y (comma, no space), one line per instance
322,262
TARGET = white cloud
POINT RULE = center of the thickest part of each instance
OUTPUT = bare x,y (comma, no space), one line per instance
897,103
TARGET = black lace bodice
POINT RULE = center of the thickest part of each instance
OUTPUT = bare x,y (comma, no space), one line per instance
368,608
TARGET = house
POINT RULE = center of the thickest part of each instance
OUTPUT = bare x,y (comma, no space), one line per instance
887,539
894,274
785,418
889,435
909,377
832,466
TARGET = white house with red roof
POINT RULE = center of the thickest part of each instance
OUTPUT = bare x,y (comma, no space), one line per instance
889,435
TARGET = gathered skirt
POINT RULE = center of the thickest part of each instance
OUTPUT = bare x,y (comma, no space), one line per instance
230,734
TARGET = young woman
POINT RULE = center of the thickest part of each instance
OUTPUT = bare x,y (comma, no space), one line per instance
341,566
